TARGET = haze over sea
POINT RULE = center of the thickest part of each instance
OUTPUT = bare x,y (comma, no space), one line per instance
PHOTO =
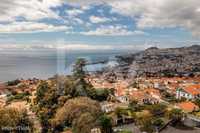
45,63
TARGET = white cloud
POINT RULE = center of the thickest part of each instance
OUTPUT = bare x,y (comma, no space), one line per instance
156,13
96,19
74,12
29,9
88,2
162,13
30,27
146,13
71,47
118,30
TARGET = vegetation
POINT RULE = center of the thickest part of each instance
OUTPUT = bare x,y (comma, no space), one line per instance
168,96
46,104
14,82
78,71
197,102
106,124
175,114
157,109
70,102
77,112
15,121
18,96
124,131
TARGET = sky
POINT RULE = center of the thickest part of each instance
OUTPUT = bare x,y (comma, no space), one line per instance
98,24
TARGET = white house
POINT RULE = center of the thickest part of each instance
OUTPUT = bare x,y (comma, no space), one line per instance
190,92
123,99
107,107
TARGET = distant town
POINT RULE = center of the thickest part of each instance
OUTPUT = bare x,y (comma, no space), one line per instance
114,100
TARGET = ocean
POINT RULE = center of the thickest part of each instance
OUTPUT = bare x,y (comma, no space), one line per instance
44,64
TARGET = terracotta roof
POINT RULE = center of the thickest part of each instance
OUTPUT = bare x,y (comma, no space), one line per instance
138,95
152,91
193,89
188,106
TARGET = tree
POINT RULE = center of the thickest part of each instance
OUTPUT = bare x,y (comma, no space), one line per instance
46,104
146,124
77,112
99,94
78,70
134,105
157,109
81,87
15,121
41,90
157,122
14,82
106,124
197,102
175,115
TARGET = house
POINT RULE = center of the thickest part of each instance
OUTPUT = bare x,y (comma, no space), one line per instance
189,92
107,107
142,97
187,106
153,92
123,99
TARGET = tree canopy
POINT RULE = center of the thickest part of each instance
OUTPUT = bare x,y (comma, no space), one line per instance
81,112
15,121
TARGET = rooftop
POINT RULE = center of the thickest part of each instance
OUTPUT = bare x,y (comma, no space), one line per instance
188,106
193,89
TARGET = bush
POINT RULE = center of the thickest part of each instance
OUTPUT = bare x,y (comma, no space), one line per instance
14,82
157,109
19,96
106,124
17,121
77,112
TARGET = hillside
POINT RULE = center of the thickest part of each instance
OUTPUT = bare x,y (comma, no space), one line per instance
159,62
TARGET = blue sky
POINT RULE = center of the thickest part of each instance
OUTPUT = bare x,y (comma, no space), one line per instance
99,24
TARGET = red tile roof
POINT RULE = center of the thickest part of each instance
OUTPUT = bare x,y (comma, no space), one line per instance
188,106
193,89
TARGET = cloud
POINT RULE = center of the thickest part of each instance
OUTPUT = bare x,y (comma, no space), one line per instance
29,9
96,19
156,13
118,30
30,27
71,47
74,12
162,13
145,13
88,2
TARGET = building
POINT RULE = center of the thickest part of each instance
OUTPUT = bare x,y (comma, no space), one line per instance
107,107
123,99
187,107
143,98
189,92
